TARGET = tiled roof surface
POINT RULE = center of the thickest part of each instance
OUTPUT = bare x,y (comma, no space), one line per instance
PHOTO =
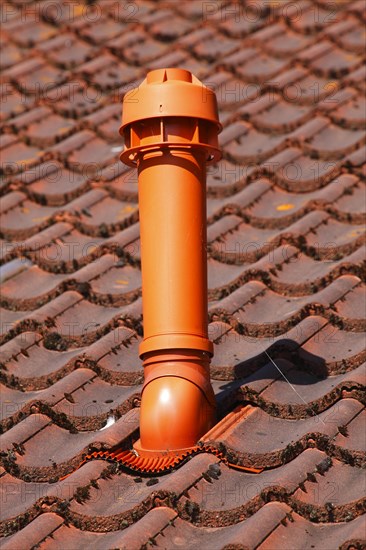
285,231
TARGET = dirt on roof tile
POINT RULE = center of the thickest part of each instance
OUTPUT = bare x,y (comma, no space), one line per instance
285,276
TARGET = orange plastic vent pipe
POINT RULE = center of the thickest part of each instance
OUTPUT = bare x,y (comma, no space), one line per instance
170,126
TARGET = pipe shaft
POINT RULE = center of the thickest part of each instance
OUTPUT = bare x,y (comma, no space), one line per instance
172,203
170,143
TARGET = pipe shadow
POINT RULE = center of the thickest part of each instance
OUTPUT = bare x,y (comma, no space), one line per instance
283,360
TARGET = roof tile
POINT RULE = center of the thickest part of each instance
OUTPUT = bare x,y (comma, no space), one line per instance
216,537
335,62
334,141
282,116
138,54
285,256
261,450
212,48
67,51
351,491
64,447
261,68
233,492
75,99
354,438
351,114
241,25
315,18
41,527
286,42
254,146
135,535
28,33
310,534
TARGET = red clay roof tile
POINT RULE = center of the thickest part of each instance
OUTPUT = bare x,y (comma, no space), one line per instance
28,33
231,496
352,114
311,534
41,527
183,532
281,116
131,536
353,438
240,27
13,102
285,256
287,42
261,68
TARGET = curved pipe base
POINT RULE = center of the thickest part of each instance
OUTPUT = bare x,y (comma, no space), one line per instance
178,403
174,414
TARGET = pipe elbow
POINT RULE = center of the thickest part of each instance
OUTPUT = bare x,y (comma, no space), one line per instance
174,414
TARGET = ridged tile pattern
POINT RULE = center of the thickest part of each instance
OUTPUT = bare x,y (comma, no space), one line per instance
285,272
